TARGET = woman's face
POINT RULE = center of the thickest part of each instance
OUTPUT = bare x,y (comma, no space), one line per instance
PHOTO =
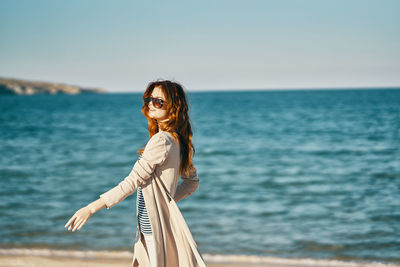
158,114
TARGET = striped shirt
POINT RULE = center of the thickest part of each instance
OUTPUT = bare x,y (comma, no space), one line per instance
143,217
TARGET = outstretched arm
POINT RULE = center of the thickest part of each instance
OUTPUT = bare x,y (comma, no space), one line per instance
188,185
155,153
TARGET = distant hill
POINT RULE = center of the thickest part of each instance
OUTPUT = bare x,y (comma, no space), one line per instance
24,87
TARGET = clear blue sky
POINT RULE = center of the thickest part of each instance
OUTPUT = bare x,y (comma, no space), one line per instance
205,45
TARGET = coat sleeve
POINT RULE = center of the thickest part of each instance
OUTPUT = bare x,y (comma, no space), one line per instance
188,185
154,154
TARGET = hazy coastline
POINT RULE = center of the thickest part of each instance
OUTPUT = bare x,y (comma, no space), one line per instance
9,86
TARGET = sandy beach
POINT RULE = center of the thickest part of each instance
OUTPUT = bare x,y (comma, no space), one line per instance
66,258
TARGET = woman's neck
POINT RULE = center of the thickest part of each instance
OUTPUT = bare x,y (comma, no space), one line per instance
161,124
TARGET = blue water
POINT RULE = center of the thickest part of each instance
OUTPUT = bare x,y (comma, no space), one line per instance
283,173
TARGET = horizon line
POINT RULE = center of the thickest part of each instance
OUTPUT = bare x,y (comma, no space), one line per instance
199,90
276,89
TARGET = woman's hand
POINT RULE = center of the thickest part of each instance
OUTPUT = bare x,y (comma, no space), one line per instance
79,219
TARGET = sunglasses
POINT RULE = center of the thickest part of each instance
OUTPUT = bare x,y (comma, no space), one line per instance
157,103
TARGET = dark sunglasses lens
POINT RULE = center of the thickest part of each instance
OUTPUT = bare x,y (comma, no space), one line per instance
157,103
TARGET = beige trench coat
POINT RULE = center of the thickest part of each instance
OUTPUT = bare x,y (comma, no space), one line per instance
157,171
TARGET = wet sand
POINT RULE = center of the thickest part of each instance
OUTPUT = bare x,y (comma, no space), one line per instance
68,262
65,258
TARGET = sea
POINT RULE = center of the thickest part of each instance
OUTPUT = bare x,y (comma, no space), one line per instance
283,173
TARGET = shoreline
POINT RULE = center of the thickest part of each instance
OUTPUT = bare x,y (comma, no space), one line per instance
16,257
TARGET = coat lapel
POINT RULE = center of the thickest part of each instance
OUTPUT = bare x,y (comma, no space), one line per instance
175,245
189,254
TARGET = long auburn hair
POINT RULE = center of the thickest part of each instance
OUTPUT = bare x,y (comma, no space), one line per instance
179,122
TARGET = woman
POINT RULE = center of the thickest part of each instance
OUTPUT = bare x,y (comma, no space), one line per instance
162,236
